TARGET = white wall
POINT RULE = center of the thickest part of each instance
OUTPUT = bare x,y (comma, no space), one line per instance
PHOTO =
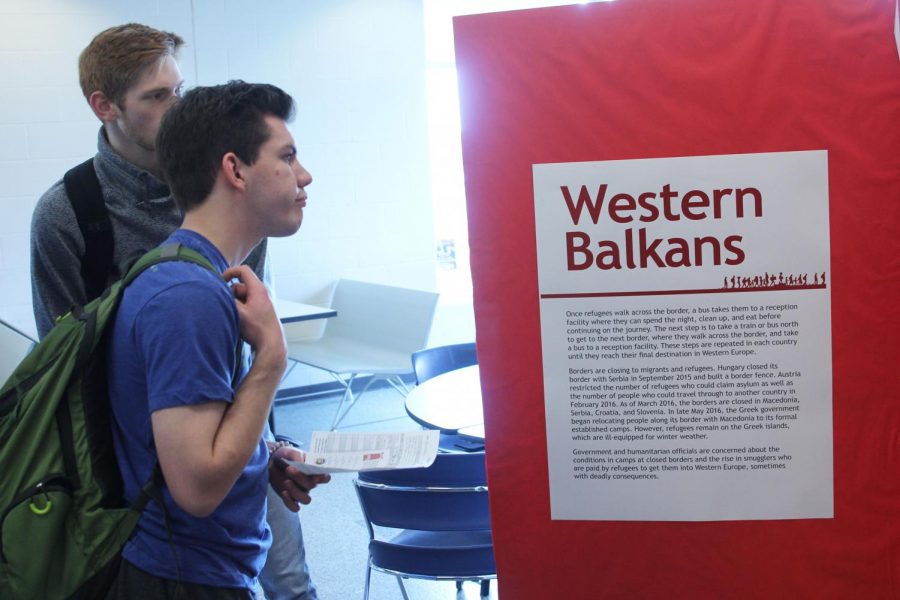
355,68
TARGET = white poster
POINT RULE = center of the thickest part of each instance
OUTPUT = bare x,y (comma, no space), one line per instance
686,336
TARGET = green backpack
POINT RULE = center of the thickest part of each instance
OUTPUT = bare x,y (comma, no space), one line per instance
63,519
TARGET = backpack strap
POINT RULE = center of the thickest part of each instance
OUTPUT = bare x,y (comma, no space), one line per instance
176,251
152,490
86,198
165,253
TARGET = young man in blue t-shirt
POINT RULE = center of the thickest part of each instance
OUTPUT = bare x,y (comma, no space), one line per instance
232,166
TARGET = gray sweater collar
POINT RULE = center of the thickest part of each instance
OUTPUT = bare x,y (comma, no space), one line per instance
130,181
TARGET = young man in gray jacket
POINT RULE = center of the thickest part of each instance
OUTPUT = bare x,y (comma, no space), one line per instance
130,77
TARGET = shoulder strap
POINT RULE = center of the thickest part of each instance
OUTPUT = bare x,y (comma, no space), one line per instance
176,251
165,253
83,190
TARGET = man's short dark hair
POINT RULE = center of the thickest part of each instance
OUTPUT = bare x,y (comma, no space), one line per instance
209,122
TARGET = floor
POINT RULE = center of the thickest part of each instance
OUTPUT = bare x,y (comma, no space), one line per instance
333,526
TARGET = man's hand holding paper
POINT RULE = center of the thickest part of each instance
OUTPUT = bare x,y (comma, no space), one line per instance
292,484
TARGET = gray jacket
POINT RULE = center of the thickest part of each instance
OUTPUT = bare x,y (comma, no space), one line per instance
142,213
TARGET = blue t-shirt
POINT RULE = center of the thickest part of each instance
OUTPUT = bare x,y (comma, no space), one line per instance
173,344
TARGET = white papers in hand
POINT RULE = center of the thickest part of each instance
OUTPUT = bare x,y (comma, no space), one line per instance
339,451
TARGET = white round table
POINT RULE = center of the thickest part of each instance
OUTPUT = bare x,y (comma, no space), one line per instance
450,402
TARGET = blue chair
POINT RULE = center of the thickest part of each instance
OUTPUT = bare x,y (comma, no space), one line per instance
441,517
430,363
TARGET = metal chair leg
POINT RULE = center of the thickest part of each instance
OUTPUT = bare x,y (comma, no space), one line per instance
402,587
368,577
398,384
348,395
353,398
288,371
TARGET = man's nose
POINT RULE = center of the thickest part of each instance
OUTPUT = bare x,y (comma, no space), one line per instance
303,176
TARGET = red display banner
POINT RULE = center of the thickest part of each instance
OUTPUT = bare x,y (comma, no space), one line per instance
649,79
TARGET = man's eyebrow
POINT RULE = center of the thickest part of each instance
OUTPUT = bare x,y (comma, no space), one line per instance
162,88
290,147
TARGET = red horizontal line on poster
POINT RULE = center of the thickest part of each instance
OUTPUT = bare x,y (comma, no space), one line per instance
792,288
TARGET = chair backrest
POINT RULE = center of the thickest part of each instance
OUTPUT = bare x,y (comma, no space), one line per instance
432,362
14,345
450,495
382,315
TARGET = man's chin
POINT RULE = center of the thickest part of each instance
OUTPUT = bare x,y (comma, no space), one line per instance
288,230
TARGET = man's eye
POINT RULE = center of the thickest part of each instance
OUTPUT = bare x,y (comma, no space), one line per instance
289,158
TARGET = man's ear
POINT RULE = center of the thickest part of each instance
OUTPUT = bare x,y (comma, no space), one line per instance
233,171
103,107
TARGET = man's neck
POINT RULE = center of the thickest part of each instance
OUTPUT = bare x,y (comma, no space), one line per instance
224,230
139,157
